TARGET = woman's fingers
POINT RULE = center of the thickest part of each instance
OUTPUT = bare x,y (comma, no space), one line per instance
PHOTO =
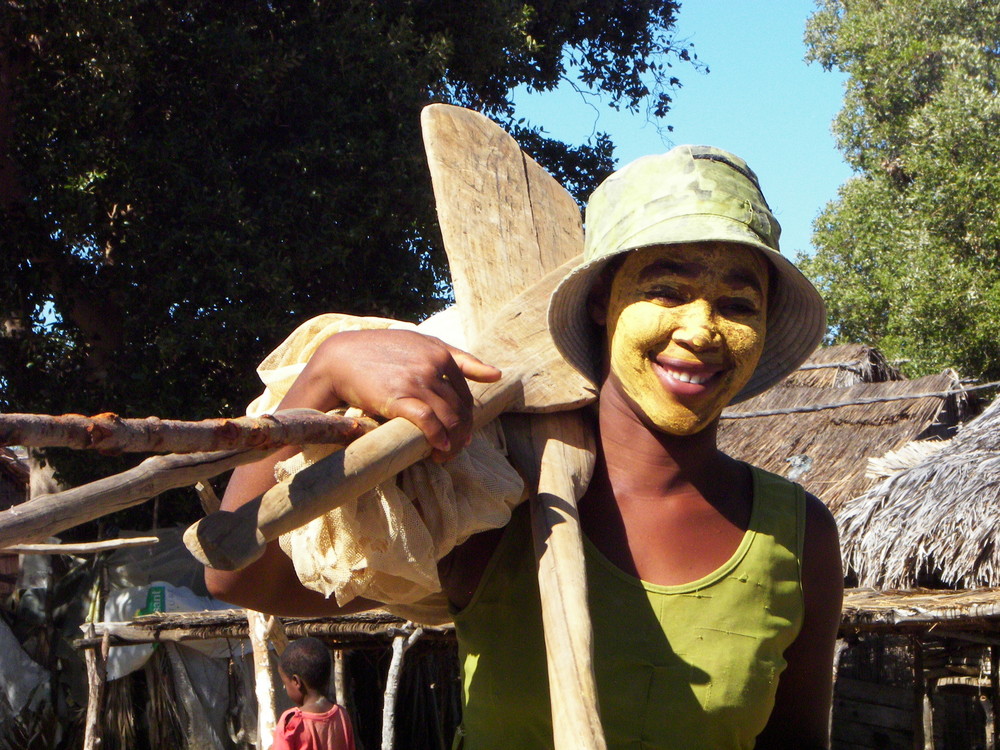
474,368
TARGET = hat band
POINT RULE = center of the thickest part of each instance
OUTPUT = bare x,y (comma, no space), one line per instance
759,221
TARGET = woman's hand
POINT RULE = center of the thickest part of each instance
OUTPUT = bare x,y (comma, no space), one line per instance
396,373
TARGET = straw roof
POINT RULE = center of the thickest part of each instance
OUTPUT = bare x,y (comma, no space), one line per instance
944,613
827,449
374,628
935,522
842,366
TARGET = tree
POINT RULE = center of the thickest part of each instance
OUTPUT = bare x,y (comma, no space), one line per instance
908,256
181,183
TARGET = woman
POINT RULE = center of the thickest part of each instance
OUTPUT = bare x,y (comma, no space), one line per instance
715,588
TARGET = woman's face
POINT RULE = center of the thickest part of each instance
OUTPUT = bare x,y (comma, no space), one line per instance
685,328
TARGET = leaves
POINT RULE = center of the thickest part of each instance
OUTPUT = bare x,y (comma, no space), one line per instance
907,255
192,180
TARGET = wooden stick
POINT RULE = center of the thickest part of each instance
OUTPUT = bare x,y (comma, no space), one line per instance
47,515
567,461
109,433
339,678
210,502
276,634
83,548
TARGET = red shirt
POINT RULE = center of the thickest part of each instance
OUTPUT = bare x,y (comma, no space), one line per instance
298,730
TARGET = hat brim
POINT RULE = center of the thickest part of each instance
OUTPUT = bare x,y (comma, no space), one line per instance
796,314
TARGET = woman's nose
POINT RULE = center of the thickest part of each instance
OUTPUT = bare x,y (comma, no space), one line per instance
698,329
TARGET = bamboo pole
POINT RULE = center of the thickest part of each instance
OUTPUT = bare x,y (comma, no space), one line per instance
109,433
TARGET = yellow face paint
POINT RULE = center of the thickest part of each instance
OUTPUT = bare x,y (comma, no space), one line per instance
685,327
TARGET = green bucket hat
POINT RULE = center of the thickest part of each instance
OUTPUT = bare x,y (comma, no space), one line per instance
689,194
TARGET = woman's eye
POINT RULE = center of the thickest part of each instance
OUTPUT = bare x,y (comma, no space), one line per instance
665,294
739,307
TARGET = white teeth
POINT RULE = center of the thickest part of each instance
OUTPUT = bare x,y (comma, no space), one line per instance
686,377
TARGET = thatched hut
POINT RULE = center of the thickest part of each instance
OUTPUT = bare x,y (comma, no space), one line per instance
822,437
898,685
936,523
842,366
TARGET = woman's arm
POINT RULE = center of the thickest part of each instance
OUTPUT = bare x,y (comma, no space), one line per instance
801,716
387,372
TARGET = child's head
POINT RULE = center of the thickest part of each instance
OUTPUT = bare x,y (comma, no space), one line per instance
305,667
692,201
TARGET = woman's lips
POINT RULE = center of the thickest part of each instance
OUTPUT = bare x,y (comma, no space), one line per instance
687,378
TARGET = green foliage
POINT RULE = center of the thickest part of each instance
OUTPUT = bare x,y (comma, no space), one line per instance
907,256
182,183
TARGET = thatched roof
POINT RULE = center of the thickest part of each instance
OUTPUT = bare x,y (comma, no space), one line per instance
374,628
939,519
943,613
827,449
843,366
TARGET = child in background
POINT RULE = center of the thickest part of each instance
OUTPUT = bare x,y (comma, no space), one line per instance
316,722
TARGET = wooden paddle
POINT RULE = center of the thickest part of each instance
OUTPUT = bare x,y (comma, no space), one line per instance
501,230
494,224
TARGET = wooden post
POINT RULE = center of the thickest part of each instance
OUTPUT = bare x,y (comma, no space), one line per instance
994,736
400,645
339,678
263,681
923,709
97,660
927,719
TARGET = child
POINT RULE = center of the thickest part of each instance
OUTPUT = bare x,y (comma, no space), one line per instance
316,723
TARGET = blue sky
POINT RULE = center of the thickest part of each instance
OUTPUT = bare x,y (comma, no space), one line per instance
760,100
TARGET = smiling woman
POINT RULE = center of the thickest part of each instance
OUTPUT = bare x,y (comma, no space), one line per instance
714,588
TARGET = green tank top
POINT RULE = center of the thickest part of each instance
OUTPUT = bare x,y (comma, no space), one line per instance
678,667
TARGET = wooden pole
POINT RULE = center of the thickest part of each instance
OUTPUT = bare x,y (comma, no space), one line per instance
96,660
995,697
47,515
400,645
109,433
567,461
263,681
339,678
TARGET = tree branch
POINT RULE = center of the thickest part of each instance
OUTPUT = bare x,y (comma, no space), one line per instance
110,434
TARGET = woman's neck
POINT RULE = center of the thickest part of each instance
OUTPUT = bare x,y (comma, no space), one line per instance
640,460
